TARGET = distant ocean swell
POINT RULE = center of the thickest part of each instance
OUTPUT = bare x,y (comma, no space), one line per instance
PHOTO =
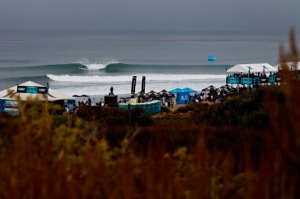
113,67
23,79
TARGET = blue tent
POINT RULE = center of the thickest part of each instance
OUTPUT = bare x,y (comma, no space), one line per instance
176,90
183,94
187,89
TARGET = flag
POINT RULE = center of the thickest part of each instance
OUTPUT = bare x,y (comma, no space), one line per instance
48,86
133,83
143,84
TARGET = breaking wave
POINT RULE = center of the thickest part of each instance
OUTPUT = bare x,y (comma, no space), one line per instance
87,65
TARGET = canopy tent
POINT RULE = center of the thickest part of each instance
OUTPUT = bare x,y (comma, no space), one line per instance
34,90
229,88
183,90
210,89
49,95
290,65
182,94
152,91
252,68
141,94
153,95
165,93
176,90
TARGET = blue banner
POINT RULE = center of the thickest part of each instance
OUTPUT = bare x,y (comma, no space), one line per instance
256,79
183,98
70,102
32,89
245,80
232,80
2,105
272,79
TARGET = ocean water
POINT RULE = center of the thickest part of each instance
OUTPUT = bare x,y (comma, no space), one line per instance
90,62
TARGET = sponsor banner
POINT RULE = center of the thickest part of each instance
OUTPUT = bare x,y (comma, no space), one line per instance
278,79
272,79
21,89
183,98
232,80
42,90
143,84
256,80
32,89
133,85
263,80
245,80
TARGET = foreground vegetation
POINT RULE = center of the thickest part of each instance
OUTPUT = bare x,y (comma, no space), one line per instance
246,147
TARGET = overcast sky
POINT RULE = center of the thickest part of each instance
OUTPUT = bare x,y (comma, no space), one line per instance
150,14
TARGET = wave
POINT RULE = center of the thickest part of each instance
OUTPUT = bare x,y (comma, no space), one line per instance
69,66
128,78
110,67
87,65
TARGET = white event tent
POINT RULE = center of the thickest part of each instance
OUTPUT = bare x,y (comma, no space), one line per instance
290,65
254,68
50,95
31,89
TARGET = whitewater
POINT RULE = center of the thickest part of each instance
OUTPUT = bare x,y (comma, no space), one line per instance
123,78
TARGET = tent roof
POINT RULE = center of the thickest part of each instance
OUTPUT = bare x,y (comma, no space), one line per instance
52,95
182,90
289,64
254,68
211,87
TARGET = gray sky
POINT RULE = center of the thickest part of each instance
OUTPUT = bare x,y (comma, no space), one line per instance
150,14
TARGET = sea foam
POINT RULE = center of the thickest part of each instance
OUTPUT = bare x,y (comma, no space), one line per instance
87,65
127,78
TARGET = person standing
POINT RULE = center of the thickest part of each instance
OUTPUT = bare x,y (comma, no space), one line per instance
101,101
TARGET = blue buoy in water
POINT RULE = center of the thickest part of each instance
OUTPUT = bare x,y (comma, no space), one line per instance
211,58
